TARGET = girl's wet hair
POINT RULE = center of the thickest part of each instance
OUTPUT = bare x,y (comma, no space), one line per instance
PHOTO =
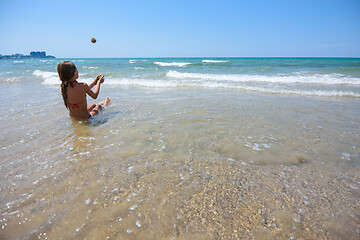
66,71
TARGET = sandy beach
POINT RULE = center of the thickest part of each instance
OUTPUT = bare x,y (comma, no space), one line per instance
164,199
170,162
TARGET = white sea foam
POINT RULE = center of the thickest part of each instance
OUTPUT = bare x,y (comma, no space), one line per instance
49,77
44,74
52,78
214,61
47,61
10,80
156,83
172,64
321,93
90,67
328,79
230,81
143,82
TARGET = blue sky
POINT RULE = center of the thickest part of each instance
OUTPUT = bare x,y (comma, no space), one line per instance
182,28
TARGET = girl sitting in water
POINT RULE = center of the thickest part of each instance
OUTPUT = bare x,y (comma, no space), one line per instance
74,93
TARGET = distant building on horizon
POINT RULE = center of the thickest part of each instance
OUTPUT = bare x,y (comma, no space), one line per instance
38,54
33,54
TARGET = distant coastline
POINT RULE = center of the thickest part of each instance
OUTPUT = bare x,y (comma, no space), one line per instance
33,54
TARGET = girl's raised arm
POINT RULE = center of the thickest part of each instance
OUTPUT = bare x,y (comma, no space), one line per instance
94,94
95,81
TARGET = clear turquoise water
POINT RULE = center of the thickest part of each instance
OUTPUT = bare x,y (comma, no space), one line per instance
190,148
293,76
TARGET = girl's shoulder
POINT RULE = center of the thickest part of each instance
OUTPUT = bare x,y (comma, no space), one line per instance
80,86
83,84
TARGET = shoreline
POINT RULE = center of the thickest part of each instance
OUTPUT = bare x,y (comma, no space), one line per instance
179,163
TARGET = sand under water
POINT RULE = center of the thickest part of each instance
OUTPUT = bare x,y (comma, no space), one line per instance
189,199
179,163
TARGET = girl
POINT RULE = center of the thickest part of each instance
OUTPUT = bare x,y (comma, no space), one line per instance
74,93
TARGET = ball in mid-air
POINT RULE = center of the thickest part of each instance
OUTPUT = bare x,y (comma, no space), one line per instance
93,40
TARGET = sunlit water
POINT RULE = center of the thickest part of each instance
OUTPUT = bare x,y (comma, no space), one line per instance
182,162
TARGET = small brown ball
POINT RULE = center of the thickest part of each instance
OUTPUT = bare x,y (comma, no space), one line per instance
93,40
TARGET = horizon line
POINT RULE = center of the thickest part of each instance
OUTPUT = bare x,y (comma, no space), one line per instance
228,57
197,57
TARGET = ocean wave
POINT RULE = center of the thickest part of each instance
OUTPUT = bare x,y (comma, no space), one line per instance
49,77
172,64
312,93
155,83
328,79
10,80
137,60
271,90
90,67
48,61
214,61
52,78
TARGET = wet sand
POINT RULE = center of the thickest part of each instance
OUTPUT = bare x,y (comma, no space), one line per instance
155,165
167,199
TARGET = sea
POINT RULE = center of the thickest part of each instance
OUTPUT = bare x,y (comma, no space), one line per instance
189,148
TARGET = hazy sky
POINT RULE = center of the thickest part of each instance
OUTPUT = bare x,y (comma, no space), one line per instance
181,28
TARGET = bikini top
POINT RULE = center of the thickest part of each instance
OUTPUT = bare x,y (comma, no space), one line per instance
72,105
75,105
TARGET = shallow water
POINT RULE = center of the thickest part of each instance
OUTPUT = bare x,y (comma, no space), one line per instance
179,163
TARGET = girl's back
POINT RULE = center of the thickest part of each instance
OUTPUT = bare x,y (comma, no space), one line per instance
76,101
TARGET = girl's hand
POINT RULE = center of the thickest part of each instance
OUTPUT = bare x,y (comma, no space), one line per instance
102,79
97,78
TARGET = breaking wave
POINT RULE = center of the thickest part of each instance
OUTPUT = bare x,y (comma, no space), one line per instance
328,79
172,64
214,61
